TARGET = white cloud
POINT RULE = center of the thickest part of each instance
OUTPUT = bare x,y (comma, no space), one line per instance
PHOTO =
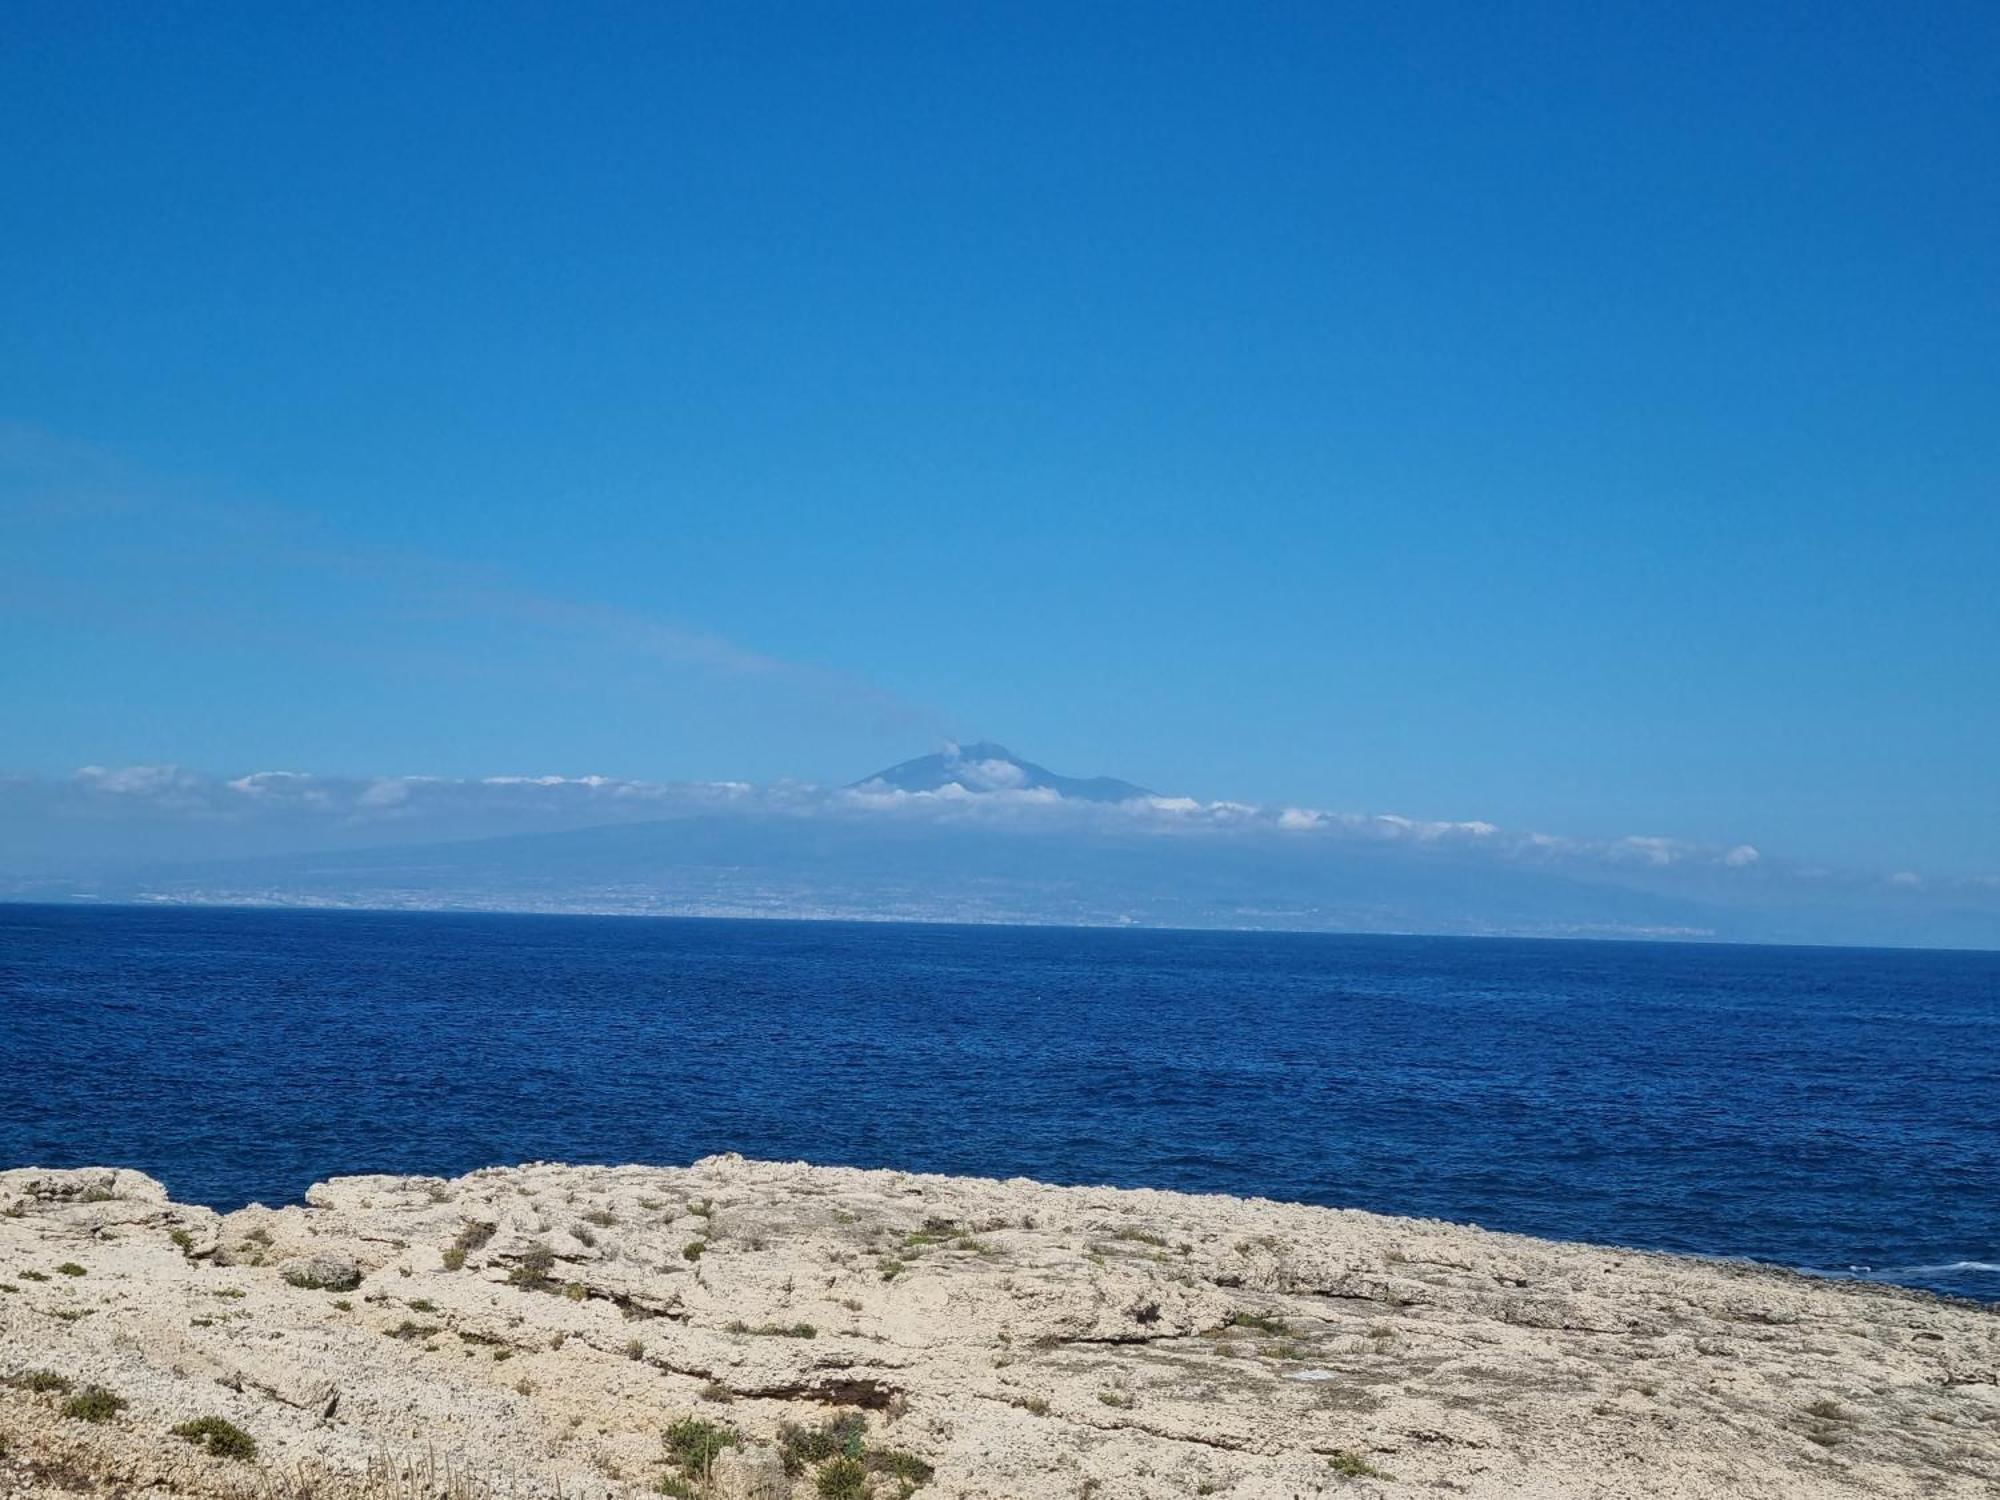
299,810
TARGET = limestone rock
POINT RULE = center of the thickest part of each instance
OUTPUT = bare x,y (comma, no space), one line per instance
751,1474
320,1272
977,1340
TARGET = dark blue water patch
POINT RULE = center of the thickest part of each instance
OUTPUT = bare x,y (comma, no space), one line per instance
1823,1108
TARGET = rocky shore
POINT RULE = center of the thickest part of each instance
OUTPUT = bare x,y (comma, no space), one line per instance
775,1331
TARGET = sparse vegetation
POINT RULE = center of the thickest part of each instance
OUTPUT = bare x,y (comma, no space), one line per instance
603,1218
42,1381
842,1479
94,1404
1120,1399
411,1332
844,1436
891,1269
324,1277
693,1249
1256,1323
532,1270
71,1268
34,1276
694,1443
221,1437
454,1259
1351,1465
777,1330
181,1239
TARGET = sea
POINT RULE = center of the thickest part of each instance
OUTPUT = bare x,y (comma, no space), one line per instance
1835,1111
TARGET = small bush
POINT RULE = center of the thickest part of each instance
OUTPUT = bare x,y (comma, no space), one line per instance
603,1218
182,1240
693,1445
220,1436
94,1404
454,1259
910,1472
475,1234
844,1436
34,1276
842,1479
693,1249
576,1291
1256,1322
411,1333
635,1348
97,1193
71,1268
422,1304
39,1380
1351,1465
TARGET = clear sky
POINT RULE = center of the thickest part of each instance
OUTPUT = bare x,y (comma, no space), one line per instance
1579,417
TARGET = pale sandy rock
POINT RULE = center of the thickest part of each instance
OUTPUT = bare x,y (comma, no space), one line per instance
535,1330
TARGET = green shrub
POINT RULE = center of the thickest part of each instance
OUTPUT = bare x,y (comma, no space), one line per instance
844,1436
39,1380
71,1268
910,1472
220,1436
454,1259
842,1479
1351,1465
693,1445
94,1404
693,1249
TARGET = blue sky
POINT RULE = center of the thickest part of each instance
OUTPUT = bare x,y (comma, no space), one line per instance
1581,418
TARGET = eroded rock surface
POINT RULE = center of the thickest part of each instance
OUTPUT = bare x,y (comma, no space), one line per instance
538,1330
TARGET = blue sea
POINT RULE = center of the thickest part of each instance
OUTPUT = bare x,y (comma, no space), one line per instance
1825,1109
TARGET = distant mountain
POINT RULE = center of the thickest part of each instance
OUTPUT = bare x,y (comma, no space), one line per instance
987,767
